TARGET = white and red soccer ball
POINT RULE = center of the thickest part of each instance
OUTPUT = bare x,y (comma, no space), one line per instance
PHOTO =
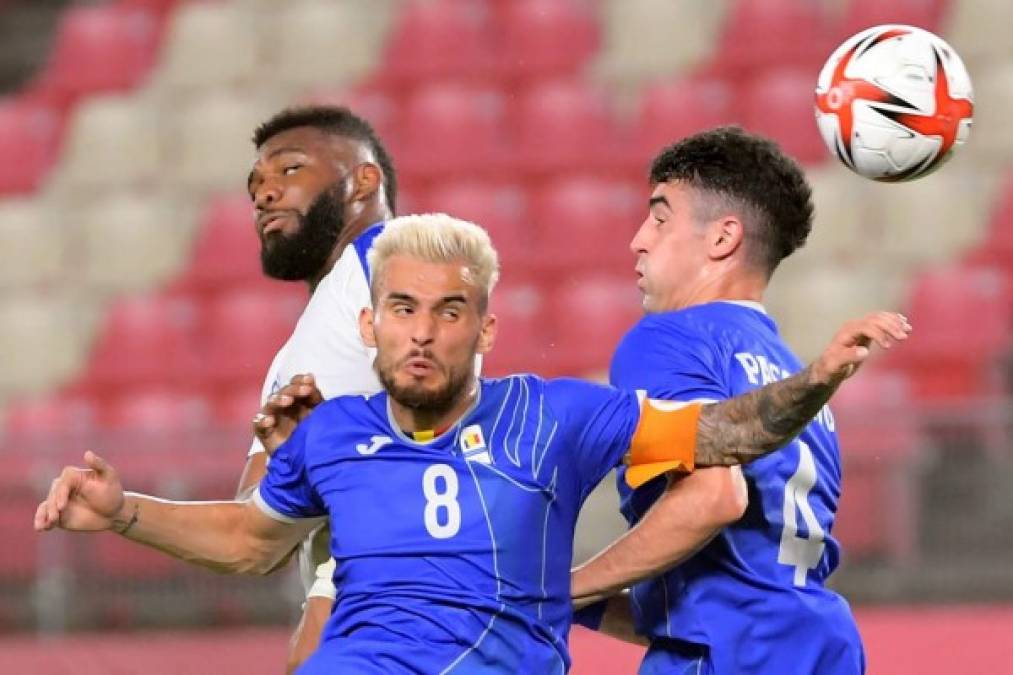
894,102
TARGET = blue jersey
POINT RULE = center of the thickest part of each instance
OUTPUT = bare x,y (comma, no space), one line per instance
452,555
753,600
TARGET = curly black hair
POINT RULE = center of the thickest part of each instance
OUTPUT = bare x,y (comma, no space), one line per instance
340,121
751,175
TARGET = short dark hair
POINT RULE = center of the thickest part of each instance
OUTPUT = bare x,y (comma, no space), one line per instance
749,173
340,121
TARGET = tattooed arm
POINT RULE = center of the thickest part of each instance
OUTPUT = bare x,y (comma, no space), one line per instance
693,508
750,426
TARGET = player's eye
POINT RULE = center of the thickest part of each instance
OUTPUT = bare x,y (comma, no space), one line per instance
401,310
451,313
291,169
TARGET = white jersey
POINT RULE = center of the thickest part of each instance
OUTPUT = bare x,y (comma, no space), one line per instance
326,343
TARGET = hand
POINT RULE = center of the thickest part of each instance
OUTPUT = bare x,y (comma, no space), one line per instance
284,410
83,500
849,348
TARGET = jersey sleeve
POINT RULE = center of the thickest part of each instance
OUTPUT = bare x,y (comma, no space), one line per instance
668,361
611,425
598,423
285,493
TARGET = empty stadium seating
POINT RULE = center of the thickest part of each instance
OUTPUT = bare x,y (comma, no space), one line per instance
30,132
417,48
669,111
587,221
146,340
779,104
241,330
226,251
101,48
949,361
33,250
760,34
528,33
561,124
589,314
454,130
524,338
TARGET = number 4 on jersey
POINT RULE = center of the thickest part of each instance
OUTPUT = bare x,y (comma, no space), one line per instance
801,553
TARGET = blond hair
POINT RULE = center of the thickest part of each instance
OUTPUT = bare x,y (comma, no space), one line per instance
437,238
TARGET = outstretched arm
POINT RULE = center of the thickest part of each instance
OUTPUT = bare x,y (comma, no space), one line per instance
750,426
234,537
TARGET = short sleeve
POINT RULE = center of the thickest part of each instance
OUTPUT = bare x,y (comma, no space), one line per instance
285,493
598,421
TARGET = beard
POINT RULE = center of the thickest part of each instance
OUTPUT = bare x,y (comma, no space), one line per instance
434,402
302,255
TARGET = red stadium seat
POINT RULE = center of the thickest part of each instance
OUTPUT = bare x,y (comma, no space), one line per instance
672,111
963,317
53,418
227,250
544,37
590,314
562,124
19,559
998,247
372,103
439,39
30,139
102,48
157,410
119,558
501,208
779,104
587,221
879,435
236,406
760,34
243,330
524,340
453,129
862,14
145,339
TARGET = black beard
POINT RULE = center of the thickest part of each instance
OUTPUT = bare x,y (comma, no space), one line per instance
302,256
433,403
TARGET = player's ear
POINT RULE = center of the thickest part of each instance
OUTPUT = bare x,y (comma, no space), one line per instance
366,327
725,235
487,337
366,180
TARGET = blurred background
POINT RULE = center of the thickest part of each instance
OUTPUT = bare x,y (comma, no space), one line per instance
135,320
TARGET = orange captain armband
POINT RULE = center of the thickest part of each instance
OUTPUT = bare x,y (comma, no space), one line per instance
665,440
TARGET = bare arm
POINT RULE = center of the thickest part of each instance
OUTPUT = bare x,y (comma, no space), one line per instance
750,426
234,537
688,514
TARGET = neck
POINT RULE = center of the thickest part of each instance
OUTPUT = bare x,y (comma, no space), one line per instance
353,228
743,287
416,419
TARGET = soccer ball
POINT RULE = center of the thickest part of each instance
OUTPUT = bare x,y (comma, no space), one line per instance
894,102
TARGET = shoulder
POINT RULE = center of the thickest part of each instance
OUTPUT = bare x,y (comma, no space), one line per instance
352,406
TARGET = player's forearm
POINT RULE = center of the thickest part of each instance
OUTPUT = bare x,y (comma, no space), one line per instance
687,515
747,427
209,534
